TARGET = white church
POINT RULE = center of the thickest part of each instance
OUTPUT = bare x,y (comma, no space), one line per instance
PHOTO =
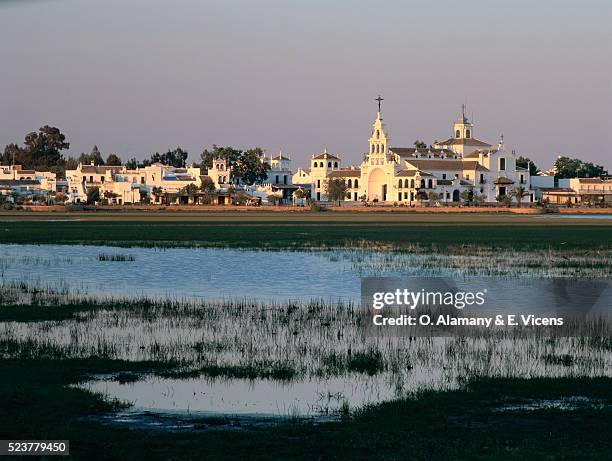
450,169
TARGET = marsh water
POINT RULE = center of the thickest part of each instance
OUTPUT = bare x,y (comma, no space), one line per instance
275,333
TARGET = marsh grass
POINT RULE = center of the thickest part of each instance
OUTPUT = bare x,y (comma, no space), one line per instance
116,257
281,342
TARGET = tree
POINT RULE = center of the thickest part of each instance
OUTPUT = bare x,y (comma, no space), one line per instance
420,144
189,189
113,160
71,164
467,196
478,199
336,190
566,167
526,162
300,194
60,198
42,150
156,192
505,200
433,197
93,195
229,154
207,188
274,199
176,158
518,193
250,169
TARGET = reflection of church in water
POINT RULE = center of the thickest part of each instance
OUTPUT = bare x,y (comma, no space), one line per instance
407,174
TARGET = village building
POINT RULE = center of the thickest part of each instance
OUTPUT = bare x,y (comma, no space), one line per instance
118,185
574,191
18,182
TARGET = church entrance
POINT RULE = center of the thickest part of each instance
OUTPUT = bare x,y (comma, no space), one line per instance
377,189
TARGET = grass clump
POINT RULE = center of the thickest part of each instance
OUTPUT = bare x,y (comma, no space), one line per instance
115,257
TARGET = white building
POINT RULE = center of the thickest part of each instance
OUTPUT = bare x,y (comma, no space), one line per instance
405,175
120,185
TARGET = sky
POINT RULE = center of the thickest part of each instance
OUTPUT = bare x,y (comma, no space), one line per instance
139,76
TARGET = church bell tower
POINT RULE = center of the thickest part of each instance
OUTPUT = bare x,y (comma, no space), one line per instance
378,140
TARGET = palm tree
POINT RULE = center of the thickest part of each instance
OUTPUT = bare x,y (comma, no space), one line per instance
156,192
518,193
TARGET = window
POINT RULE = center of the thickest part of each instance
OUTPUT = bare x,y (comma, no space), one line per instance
378,134
102,178
335,164
481,178
430,183
502,164
318,183
468,134
328,164
285,179
422,183
399,184
412,184
522,179
406,183
382,148
377,148
443,175
467,176
372,148
91,179
350,184
457,134
276,179
356,183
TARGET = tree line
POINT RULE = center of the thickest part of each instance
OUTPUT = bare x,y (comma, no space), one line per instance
42,150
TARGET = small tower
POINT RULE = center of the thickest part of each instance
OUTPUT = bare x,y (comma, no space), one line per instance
379,141
463,128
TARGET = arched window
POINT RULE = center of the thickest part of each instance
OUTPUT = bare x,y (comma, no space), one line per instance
372,148
350,184
399,184
406,183
412,183
328,164
335,164
457,134
318,183
468,134
377,134
382,148
356,183
430,184
422,183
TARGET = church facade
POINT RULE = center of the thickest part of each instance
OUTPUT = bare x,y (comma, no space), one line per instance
451,170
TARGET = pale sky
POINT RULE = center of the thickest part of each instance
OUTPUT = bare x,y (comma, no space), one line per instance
139,76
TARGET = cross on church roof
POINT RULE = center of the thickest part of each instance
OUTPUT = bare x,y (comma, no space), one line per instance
379,99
